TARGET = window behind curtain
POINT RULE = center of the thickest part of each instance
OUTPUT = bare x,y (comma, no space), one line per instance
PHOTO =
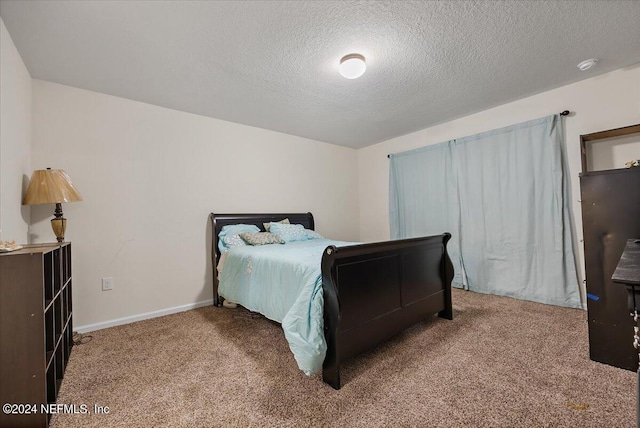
502,195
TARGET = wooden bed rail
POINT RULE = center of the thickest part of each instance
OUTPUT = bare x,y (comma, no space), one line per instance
374,291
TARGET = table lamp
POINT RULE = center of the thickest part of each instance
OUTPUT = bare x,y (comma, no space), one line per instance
52,186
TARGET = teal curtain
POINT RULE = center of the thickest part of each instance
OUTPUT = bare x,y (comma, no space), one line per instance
423,199
506,206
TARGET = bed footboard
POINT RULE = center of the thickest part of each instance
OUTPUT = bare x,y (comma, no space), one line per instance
374,291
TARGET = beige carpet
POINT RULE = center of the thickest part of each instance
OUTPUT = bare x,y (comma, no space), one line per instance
500,363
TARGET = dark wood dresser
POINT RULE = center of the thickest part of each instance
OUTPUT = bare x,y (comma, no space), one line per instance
627,273
610,215
36,333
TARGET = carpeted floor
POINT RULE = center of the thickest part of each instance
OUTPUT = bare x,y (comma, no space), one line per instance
500,363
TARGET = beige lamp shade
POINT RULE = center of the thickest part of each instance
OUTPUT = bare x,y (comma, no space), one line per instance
50,186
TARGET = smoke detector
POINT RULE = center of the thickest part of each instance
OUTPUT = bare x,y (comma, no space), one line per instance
587,64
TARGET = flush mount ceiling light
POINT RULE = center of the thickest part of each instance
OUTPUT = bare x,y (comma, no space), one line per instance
587,64
352,66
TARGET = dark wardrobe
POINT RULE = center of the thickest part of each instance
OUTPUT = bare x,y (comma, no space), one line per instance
610,216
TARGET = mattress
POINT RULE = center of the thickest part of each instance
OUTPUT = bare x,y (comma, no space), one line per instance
283,283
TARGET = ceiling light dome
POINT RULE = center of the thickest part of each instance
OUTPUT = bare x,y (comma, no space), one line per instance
587,64
352,66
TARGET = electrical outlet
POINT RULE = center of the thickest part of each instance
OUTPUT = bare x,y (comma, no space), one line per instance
107,284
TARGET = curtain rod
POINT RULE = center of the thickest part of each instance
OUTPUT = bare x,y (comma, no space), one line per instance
563,113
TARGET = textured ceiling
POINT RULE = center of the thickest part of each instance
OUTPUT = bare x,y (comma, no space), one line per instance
274,64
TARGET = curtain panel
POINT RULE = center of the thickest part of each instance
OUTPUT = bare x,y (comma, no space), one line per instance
423,198
502,195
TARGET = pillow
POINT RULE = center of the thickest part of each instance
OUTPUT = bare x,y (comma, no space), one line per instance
312,234
260,238
289,232
231,230
268,225
233,241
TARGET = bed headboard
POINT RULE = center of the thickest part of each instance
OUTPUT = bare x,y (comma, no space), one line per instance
221,220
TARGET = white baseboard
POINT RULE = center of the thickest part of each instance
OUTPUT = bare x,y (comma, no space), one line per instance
140,317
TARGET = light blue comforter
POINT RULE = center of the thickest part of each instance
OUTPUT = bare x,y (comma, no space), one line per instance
283,283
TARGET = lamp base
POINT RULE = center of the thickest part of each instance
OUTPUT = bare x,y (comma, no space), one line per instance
59,223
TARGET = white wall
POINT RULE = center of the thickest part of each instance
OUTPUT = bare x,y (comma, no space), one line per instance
15,140
608,101
613,153
150,176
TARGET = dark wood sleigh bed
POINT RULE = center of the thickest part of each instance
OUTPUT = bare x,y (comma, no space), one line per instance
371,291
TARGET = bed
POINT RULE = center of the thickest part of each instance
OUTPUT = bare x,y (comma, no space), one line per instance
370,292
